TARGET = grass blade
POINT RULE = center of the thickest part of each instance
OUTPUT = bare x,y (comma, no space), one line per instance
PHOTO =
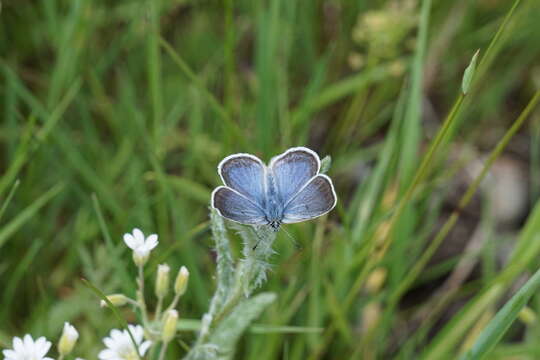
9,197
411,122
28,213
497,327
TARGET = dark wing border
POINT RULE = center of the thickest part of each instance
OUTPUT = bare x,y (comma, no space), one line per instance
298,148
212,200
329,180
239,155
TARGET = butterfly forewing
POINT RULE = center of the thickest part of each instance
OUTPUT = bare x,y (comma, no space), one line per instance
234,206
246,174
316,198
293,169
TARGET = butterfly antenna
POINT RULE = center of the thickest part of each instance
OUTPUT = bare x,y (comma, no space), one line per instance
295,243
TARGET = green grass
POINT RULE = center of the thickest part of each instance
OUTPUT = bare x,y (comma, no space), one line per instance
115,115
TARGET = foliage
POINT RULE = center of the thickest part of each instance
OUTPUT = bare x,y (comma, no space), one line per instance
115,115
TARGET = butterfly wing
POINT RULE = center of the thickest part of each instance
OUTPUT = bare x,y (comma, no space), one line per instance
246,174
316,198
293,169
237,207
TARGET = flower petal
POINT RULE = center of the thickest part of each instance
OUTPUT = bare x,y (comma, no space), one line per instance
151,241
137,332
28,342
139,236
130,241
42,346
109,342
116,334
107,354
9,354
144,347
18,345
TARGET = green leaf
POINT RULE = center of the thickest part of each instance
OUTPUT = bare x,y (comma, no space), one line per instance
326,162
469,73
228,332
225,263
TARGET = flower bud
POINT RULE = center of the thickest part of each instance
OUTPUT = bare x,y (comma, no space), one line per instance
115,299
162,280
169,326
180,284
68,339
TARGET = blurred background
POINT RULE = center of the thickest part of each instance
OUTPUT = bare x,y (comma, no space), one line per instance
115,115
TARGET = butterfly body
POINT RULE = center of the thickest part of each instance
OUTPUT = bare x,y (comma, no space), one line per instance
274,204
288,190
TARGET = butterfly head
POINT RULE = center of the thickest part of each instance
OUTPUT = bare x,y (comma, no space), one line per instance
275,224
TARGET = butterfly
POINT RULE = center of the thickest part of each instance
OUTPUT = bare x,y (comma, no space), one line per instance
288,190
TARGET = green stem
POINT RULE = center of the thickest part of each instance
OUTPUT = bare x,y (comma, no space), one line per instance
140,296
163,351
133,302
174,302
497,36
233,300
158,308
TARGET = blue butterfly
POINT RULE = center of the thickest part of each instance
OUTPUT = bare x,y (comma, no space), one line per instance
288,190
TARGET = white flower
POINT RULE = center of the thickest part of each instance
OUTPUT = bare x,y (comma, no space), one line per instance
120,346
28,349
140,245
68,339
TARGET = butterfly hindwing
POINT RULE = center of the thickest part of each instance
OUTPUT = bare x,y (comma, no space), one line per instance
316,198
293,169
246,174
235,206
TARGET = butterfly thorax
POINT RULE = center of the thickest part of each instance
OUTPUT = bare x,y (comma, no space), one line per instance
274,205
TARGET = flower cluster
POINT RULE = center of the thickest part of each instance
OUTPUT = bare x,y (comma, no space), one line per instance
135,341
161,327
